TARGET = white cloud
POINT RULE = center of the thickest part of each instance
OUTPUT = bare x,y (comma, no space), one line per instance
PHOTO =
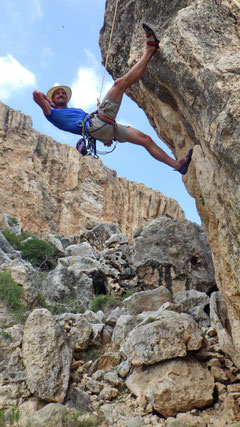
13,77
86,89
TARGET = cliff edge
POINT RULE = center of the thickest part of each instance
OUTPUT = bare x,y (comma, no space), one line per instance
190,93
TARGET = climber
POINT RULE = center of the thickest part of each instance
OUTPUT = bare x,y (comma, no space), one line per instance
101,125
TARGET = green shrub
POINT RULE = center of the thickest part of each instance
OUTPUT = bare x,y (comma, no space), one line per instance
150,320
77,418
42,300
7,336
10,292
126,295
69,304
103,301
15,415
2,418
13,239
34,250
13,221
201,199
37,251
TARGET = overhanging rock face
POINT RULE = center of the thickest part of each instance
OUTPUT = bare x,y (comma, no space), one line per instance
190,93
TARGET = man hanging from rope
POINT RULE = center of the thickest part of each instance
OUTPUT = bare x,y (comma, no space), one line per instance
101,125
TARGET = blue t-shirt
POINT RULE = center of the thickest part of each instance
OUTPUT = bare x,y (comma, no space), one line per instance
68,119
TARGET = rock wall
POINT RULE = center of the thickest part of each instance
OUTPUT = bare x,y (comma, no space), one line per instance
50,187
190,93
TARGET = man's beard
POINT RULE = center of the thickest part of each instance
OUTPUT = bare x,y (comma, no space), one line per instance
61,103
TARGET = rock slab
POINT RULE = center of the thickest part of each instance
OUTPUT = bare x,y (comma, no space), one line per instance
173,386
46,355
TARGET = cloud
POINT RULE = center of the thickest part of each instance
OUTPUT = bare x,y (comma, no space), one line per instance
86,89
13,77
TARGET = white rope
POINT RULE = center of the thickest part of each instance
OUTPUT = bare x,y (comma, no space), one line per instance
108,50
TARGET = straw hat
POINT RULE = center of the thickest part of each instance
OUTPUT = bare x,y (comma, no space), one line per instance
52,90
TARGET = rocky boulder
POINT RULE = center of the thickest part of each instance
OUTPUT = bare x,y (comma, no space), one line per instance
166,336
173,386
46,354
174,254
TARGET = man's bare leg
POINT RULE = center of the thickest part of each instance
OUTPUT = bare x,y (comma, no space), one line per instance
132,76
137,137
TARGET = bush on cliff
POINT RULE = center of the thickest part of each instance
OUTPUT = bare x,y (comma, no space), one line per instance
101,302
10,292
36,251
14,239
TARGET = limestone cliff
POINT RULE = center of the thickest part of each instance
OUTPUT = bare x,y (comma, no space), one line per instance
50,187
190,93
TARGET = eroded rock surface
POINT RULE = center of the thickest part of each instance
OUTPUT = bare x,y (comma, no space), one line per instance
190,93
173,386
46,354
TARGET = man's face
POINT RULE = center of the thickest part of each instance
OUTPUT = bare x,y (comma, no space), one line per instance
59,97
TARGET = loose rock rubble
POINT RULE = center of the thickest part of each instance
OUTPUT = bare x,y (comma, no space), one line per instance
162,356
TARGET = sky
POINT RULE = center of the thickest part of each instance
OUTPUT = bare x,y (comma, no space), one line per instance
48,42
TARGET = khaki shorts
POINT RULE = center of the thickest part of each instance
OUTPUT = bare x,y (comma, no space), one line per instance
104,131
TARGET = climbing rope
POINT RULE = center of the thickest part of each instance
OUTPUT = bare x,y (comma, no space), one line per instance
108,50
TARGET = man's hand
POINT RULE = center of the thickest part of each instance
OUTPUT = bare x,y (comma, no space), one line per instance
53,105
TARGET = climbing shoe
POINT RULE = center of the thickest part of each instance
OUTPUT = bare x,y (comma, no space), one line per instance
152,40
185,162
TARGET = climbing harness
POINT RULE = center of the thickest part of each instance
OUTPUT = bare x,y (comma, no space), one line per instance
87,144
108,50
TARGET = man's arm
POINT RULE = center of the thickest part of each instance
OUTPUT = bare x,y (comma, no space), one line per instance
43,102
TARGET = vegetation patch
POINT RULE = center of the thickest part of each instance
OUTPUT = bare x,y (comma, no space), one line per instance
13,221
14,239
127,295
77,418
38,252
69,304
7,336
10,292
12,295
150,320
11,419
102,302
41,300
2,418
